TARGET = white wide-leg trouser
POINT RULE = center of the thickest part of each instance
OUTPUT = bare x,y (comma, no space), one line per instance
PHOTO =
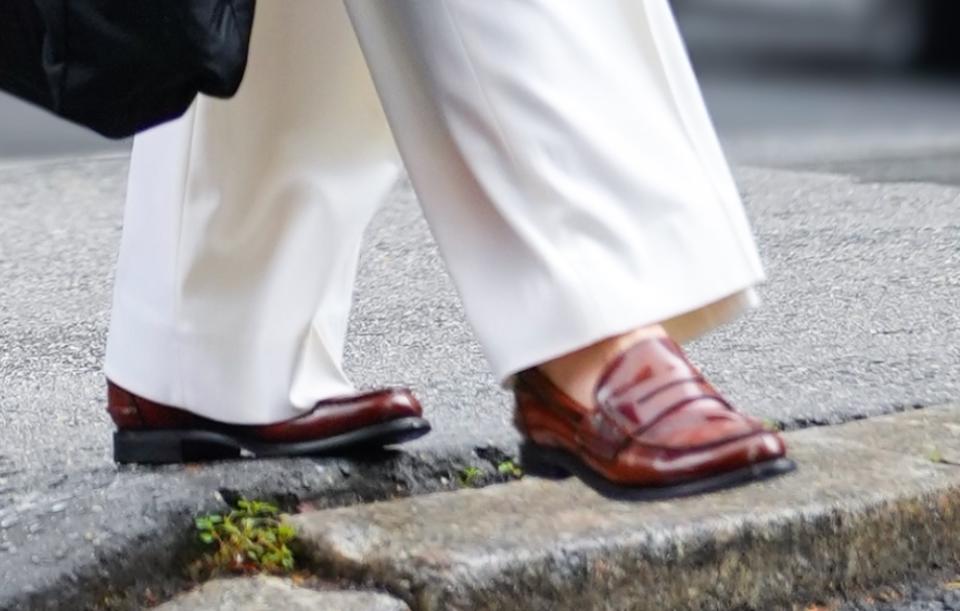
561,152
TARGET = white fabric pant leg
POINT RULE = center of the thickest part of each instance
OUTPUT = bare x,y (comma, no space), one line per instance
567,166
561,152
243,226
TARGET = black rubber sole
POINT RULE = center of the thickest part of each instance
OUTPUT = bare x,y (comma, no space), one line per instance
554,463
185,446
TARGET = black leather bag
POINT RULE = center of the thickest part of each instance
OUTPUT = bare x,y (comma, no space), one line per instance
122,66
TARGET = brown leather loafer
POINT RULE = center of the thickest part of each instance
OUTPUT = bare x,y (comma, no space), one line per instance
658,430
151,433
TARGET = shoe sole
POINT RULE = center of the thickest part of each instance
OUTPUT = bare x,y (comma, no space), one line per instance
186,446
554,463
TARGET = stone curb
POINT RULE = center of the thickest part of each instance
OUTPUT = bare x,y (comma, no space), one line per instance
127,538
873,501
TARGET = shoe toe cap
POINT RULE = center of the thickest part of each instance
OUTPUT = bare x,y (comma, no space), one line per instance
401,403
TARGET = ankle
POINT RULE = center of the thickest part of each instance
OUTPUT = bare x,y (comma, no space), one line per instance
577,373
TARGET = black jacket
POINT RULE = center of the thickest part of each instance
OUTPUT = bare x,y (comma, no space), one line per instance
122,66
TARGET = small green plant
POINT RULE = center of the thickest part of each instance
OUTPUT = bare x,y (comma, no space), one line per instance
510,468
470,477
252,538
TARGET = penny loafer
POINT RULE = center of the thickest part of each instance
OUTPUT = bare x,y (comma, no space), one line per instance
658,430
151,433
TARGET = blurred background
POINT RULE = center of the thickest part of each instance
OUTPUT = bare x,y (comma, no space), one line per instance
861,87
875,34
775,73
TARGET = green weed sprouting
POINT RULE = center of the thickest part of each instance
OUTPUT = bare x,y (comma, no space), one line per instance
252,538
510,469
470,477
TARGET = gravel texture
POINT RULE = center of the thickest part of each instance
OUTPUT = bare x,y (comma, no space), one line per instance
272,594
916,597
939,592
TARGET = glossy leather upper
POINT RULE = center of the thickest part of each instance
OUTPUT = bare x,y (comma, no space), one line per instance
327,418
656,420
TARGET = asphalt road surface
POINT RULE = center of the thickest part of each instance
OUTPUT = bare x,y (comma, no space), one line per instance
852,183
